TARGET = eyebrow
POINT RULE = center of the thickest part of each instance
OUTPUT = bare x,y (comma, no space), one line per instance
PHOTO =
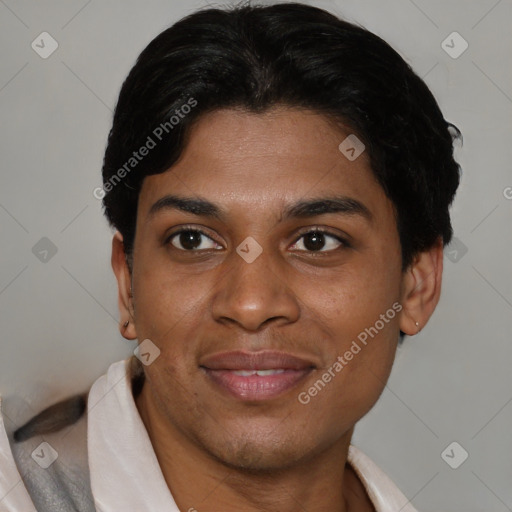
300,209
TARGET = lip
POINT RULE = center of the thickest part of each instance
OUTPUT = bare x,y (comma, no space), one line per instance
262,360
221,367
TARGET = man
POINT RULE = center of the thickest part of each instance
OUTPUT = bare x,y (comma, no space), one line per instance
279,180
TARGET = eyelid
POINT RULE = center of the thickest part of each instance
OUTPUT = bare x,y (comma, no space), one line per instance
183,228
189,227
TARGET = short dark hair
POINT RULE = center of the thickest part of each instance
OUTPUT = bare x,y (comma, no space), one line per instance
256,57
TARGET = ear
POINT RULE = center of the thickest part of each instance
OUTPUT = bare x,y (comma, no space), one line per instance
421,288
125,298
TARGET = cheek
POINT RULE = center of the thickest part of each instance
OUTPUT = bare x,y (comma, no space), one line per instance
358,312
353,298
167,302
171,394
353,385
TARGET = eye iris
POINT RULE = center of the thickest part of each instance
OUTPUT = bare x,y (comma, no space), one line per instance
190,239
314,241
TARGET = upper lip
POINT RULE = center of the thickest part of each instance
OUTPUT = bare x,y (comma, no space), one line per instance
262,360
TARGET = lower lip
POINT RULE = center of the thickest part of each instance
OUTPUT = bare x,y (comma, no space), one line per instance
255,387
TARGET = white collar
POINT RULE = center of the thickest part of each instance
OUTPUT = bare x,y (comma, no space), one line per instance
125,474
124,470
383,493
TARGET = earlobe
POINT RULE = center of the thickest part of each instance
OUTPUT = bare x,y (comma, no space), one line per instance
125,296
421,289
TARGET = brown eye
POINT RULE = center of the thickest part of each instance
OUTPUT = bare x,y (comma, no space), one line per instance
319,241
191,240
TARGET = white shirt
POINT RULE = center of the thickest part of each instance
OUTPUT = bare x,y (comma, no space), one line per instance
124,471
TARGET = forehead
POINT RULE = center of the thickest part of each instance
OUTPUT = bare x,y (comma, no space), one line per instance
255,162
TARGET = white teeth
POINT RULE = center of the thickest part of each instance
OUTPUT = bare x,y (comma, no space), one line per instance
244,373
261,373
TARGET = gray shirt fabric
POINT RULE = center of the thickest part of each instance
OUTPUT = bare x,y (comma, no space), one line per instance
65,485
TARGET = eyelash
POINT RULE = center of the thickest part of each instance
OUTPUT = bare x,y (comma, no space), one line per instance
344,243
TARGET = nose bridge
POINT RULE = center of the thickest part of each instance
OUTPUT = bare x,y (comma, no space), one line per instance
253,268
254,290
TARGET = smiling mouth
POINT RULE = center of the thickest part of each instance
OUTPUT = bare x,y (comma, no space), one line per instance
256,376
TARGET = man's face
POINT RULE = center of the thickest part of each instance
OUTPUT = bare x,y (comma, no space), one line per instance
306,294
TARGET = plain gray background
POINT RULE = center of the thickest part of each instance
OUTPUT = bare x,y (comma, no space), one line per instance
452,382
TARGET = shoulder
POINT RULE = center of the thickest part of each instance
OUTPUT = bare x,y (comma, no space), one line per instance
49,454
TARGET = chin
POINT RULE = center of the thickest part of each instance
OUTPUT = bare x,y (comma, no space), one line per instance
250,454
255,461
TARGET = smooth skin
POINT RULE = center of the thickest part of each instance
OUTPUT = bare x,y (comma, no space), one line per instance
303,295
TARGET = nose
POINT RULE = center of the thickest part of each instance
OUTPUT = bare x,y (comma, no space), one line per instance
256,293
